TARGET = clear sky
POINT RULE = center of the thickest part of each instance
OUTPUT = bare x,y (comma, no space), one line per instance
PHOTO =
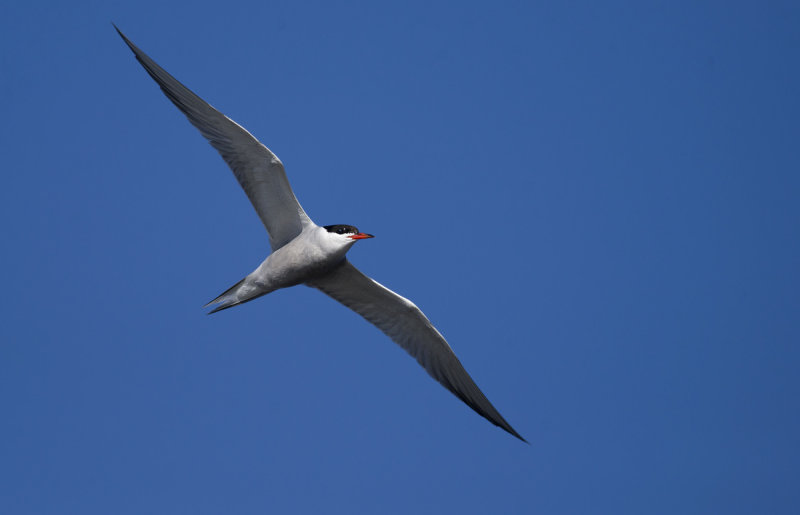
597,203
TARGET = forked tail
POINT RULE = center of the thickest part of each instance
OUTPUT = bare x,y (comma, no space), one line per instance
239,293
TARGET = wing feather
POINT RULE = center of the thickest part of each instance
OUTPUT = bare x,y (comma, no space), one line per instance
406,325
259,172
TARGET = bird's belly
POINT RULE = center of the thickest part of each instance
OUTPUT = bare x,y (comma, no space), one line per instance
296,266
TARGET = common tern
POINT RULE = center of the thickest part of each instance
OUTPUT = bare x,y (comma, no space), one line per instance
305,253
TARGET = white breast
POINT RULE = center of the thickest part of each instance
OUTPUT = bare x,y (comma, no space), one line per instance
313,252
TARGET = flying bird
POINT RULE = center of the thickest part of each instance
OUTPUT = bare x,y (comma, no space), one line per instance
305,253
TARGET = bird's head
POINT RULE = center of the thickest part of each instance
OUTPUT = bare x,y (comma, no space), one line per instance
348,233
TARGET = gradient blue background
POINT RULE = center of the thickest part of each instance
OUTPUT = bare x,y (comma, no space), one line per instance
598,203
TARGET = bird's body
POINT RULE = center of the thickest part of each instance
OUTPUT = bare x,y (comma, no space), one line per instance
306,253
311,254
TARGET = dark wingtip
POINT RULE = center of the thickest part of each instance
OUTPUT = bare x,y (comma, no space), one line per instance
510,430
520,437
125,39
119,31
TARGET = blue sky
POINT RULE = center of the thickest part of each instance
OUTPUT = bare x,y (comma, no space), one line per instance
598,204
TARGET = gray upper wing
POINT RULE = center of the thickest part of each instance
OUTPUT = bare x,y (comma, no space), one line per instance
407,326
258,170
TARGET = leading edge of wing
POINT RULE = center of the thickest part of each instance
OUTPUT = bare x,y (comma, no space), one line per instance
406,325
259,171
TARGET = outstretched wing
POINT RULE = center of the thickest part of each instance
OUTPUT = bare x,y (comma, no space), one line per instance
258,170
407,326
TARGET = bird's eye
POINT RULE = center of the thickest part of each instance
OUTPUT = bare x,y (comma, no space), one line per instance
341,230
